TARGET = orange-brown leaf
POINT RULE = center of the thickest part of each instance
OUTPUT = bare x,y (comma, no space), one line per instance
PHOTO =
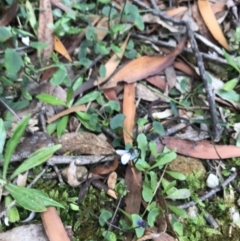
113,63
129,109
53,225
60,48
211,22
201,149
143,67
66,112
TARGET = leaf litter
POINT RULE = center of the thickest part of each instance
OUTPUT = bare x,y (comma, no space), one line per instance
130,73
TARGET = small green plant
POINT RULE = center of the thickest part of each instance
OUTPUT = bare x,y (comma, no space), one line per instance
29,198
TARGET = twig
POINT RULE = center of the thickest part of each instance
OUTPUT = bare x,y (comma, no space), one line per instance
113,217
171,45
212,192
79,160
217,128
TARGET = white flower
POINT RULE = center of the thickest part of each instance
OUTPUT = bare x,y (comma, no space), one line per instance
127,155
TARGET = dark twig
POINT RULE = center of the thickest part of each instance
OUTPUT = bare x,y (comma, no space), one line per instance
217,128
113,217
212,192
171,45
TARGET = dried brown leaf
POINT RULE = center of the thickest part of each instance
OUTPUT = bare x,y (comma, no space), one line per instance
113,63
66,112
185,68
201,149
103,169
110,94
129,110
60,48
45,32
173,12
211,22
157,81
143,67
9,14
112,180
101,29
53,225
84,143
75,175
133,180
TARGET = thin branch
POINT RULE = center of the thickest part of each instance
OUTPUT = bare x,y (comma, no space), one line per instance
212,192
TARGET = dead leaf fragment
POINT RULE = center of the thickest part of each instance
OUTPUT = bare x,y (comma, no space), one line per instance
113,63
129,109
112,180
211,22
66,112
201,149
53,225
84,143
75,175
103,169
9,14
60,48
143,67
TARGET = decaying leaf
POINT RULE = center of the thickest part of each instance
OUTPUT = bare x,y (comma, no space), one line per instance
9,14
60,48
45,32
112,180
53,225
143,67
144,93
75,175
66,112
201,149
129,110
103,169
211,22
84,143
157,81
113,63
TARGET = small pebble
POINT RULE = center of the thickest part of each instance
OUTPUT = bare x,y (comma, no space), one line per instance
212,181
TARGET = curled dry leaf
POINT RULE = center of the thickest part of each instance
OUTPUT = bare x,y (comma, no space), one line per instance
143,67
45,32
75,175
201,149
103,169
66,112
211,22
112,180
84,143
